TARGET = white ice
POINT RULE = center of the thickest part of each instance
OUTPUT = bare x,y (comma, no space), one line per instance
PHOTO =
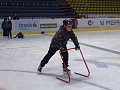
19,60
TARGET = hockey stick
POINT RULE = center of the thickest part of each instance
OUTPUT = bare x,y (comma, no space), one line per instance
68,81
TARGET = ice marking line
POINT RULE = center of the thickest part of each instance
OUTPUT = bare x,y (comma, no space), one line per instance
95,47
100,48
29,72
54,75
17,47
101,64
94,84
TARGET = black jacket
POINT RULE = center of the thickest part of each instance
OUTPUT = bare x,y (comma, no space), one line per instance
62,36
19,35
9,25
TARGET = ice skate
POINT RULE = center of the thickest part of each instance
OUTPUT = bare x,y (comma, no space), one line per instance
64,71
39,69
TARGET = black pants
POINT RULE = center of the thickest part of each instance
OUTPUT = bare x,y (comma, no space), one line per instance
9,33
5,32
50,53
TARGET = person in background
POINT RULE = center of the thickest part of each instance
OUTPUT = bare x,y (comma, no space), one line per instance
4,27
75,23
15,17
9,18
9,28
19,35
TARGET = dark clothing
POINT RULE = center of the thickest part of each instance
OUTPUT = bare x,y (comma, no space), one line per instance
75,23
60,40
62,36
19,35
50,53
9,29
15,17
9,34
4,27
5,32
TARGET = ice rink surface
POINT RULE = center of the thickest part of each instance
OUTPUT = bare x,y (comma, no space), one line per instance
19,60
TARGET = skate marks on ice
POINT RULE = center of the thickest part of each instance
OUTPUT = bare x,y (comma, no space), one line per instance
2,88
62,75
100,48
33,72
95,47
26,71
96,85
73,79
24,47
101,64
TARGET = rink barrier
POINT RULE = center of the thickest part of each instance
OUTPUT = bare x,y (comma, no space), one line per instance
78,30
89,30
75,30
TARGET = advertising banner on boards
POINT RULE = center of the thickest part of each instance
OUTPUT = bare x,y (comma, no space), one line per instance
38,25
27,25
33,25
99,23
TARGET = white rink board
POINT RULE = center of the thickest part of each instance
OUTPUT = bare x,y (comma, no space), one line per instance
99,23
38,25
33,25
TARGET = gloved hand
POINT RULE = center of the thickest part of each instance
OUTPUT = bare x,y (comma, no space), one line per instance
77,48
62,49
